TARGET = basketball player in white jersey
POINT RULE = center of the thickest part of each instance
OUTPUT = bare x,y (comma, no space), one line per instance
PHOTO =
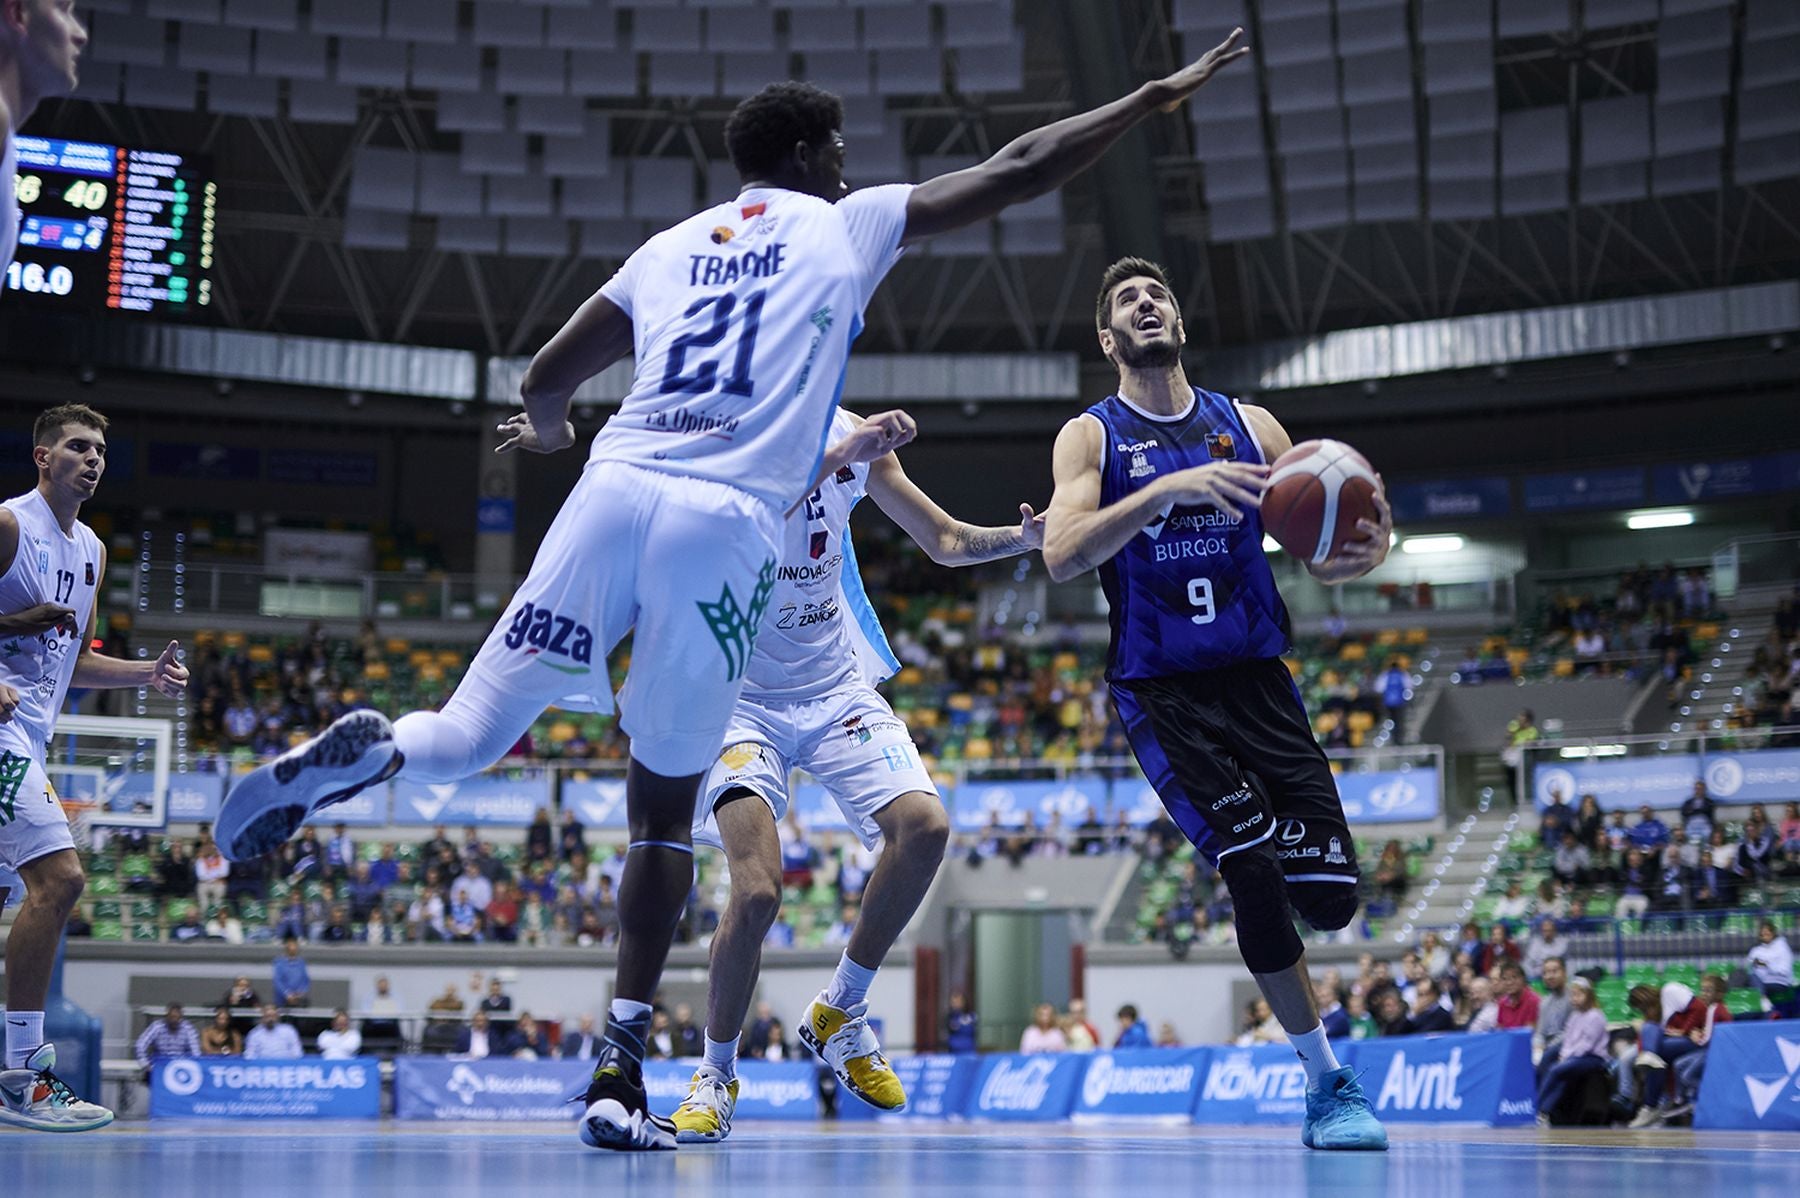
40,47
51,567
740,319
810,703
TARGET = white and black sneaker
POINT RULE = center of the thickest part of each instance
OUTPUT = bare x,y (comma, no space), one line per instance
34,1098
618,1114
269,804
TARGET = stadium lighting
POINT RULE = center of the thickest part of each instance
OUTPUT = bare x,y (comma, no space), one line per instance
1577,751
1679,517
1444,544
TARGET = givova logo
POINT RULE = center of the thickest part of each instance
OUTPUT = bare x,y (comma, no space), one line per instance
1764,1090
548,633
1428,1087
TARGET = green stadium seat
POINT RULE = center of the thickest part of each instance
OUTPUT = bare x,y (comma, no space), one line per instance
145,932
102,884
254,912
109,929
106,909
143,910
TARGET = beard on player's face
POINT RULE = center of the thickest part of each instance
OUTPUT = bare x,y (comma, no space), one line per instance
1145,349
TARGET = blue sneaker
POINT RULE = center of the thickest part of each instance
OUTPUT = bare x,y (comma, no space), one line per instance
1338,1115
268,804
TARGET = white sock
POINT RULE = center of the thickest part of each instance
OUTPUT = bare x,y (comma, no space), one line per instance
849,985
24,1033
721,1056
1314,1051
628,1010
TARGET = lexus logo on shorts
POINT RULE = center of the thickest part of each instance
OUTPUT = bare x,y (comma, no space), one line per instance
1290,832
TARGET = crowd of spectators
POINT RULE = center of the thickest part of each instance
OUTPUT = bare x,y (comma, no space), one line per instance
1694,860
1639,627
1069,1030
1773,677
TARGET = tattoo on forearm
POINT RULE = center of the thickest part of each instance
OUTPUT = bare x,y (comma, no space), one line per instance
984,544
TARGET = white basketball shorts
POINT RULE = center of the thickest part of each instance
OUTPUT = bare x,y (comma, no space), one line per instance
849,740
32,822
684,564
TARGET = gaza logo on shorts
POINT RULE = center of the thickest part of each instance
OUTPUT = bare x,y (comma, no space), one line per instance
548,633
737,756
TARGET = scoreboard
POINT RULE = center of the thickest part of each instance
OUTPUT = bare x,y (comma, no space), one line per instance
112,227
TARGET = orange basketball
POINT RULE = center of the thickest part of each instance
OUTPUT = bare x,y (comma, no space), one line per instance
1317,492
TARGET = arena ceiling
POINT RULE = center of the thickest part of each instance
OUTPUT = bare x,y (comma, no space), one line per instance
463,172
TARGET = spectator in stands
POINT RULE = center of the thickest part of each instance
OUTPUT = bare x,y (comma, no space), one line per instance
1553,1011
1390,872
1517,1002
1499,948
210,872
1044,1034
540,838
189,930
383,1022
1674,888
439,843
1590,823
1756,852
340,1041
839,932
496,1002
340,853
583,1044
463,921
688,1040
1078,1015
1514,904
478,1039
1469,940
1483,1011
571,837
1618,836
780,933
1548,943
219,1038
1167,1036
960,1026
1557,819
472,887
384,871
174,871
362,890
1434,953
425,917
1636,881
1389,1011
1698,813
293,984
271,1038
528,1041
1664,1041
1581,1053
1649,833
1789,837
774,1046
1395,685
337,929
170,1036
1771,965
1332,1016
1429,1014
1133,1031
449,1002
1522,731
1362,1024
1570,863
1691,1067
240,994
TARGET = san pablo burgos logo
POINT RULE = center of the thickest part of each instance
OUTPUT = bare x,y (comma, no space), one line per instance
1765,1089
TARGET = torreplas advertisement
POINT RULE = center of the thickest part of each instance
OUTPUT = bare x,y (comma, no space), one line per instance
232,1087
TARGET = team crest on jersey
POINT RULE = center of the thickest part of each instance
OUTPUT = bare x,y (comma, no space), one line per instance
815,549
1334,853
90,574
43,560
1139,467
845,475
855,732
1220,445
737,756
722,234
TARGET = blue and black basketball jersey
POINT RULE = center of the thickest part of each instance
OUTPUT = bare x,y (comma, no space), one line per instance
1193,589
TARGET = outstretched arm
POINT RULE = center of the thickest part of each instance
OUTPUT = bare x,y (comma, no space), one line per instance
598,335
945,539
1358,558
1046,158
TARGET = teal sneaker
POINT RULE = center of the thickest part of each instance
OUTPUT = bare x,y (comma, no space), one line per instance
1338,1115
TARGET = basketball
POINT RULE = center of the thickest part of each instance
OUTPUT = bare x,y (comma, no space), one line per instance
1317,492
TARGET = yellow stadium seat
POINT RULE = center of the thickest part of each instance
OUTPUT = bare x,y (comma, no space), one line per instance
377,671
1065,661
1328,678
430,673
1387,636
909,676
960,701
562,732
450,659
924,717
1293,666
420,658
1416,636
397,646
1360,722
1516,658
1354,651
1326,722
261,654
233,642
1564,668
1706,632
979,749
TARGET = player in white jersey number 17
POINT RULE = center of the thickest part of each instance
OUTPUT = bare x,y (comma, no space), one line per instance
811,704
51,569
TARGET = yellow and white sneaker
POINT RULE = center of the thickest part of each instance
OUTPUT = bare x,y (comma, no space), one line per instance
704,1116
844,1041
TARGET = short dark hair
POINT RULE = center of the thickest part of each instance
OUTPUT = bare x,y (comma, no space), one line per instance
763,129
49,424
1128,1012
1118,272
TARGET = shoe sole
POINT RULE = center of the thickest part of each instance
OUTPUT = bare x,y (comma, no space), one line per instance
24,1123
684,1136
817,1048
607,1124
263,811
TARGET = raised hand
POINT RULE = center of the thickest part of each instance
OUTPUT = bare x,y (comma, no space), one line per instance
1031,527
1358,557
1178,87
879,435
168,675
522,434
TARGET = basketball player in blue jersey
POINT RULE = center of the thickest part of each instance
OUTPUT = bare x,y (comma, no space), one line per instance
739,320
1158,488
40,49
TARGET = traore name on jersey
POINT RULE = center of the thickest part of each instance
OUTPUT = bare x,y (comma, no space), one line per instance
1193,589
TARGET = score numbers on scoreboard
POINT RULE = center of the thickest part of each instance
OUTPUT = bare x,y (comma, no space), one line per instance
114,227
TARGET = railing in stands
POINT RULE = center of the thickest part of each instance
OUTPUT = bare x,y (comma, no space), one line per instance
1676,937
1771,560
